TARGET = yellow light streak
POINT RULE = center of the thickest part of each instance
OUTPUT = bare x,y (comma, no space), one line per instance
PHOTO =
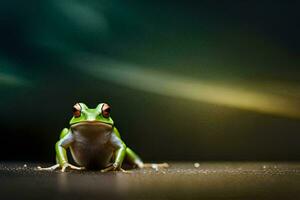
178,86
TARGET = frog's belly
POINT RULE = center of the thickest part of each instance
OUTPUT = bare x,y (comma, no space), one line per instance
91,145
92,156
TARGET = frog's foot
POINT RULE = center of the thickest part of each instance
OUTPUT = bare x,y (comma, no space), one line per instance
114,167
68,165
125,171
63,168
155,166
52,168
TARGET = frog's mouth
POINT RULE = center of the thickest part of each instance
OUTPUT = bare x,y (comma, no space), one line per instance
91,127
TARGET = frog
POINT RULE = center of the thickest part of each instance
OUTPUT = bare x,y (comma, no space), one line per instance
94,142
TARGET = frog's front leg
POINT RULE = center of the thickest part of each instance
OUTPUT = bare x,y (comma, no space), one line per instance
119,154
66,139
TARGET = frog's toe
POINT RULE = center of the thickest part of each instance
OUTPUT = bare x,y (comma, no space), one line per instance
52,168
125,171
114,168
107,169
76,168
67,165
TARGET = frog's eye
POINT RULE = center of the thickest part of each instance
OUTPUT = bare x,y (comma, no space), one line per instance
77,110
106,110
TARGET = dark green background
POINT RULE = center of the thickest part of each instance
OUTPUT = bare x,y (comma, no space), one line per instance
251,42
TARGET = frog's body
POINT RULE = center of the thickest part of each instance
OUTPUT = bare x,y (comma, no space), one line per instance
94,141
92,147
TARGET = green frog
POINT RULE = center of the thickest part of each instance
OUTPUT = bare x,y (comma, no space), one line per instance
94,142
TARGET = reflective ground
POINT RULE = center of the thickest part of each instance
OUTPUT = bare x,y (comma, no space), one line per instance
213,180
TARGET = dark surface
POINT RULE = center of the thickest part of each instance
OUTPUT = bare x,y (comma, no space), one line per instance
219,180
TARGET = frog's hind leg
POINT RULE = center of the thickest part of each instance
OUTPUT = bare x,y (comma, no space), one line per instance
133,158
136,160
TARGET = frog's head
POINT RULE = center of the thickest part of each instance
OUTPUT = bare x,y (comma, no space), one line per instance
83,114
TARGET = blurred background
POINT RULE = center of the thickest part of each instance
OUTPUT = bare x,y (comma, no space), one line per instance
187,80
